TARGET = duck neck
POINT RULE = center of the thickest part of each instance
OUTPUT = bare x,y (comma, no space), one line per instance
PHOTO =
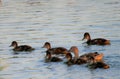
88,38
76,53
49,47
15,45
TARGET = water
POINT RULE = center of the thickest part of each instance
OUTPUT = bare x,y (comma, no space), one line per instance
62,23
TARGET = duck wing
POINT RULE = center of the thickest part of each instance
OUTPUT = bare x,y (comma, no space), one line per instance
57,50
98,41
24,48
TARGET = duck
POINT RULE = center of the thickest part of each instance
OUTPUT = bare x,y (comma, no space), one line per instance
49,58
93,64
75,50
96,65
96,41
72,61
83,58
97,56
21,47
56,50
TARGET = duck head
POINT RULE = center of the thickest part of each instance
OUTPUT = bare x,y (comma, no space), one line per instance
86,36
47,45
74,50
14,44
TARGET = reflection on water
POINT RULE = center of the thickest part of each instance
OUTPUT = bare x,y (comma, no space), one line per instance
3,64
62,23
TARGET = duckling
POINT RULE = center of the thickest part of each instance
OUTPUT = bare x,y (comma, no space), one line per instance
98,57
84,57
21,47
97,41
71,61
100,65
56,50
93,64
49,58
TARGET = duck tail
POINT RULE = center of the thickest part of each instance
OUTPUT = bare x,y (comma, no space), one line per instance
107,42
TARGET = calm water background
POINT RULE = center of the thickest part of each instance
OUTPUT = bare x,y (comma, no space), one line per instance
63,23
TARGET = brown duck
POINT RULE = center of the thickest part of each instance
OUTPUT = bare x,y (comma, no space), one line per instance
86,56
56,50
71,60
21,47
97,41
81,59
93,64
49,58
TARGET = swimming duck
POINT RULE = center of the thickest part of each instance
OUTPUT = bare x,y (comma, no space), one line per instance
93,64
85,57
95,55
56,50
21,47
97,41
49,58
71,61
99,65
75,50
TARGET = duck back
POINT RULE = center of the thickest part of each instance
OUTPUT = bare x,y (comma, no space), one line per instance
98,41
58,50
23,48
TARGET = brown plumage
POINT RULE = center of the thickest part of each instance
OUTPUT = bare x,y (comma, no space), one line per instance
56,50
21,47
49,58
93,64
83,58
95,55
71,61
99,65
97,41
86,56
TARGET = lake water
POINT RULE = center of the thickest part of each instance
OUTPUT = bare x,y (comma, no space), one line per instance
62,23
